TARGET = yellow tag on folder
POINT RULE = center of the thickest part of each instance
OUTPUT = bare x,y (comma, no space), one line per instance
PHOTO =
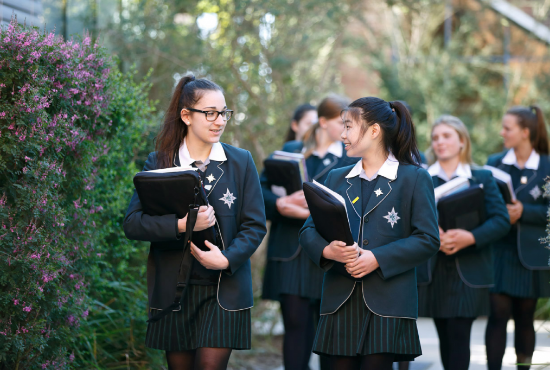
355,200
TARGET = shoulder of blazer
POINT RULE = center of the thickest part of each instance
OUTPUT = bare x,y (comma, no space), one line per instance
496,159
406,169
340,173
293,146
480,173
234,153
544,164
151,161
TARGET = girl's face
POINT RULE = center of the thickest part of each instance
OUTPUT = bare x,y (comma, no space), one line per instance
198,126
446,142
333,127
355,144
304,124
512,133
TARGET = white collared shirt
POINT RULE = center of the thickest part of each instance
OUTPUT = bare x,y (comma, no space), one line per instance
335,149
216,154
532,162
463,170
388,170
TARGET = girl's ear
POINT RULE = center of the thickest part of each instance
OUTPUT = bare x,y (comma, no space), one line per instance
323,122
525,133
185,116
375,130
294,126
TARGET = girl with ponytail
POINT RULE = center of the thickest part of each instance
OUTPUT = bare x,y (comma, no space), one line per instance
522,273
214,313
454,284
369,298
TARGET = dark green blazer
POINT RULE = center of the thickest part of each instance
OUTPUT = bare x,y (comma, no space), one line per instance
242,226
475,263
531,227
390,290
283,237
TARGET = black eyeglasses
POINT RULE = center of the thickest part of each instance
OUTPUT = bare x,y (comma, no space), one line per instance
212,115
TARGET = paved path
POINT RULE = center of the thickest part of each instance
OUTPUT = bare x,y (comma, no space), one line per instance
430,359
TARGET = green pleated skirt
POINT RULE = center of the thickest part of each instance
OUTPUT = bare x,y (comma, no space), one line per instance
447,296
299,276
513,279
354,330
201,322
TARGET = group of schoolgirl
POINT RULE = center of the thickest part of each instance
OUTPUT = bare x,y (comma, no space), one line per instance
366,318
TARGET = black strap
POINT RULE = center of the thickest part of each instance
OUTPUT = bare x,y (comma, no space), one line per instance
185,266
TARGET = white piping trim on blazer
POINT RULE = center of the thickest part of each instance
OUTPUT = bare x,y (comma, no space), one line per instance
521,259
327,168
219,177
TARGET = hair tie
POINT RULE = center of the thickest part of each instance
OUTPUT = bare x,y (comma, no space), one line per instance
391,106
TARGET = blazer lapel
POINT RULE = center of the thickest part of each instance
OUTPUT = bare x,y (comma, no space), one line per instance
384,185
354,193
327,168
214,172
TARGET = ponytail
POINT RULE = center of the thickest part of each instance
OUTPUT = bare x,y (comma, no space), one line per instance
310,140
394,119
532,119
186,94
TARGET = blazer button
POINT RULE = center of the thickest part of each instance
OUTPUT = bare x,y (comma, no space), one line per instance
365,242
366,219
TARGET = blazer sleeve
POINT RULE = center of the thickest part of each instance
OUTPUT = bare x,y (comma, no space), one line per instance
405,254
313,243
252,223
497,223
140,226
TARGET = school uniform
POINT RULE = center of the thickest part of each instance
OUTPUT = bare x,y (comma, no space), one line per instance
215,310
521,260
397,222
458,285
288,269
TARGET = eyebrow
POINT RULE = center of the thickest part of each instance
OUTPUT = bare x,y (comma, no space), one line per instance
225,107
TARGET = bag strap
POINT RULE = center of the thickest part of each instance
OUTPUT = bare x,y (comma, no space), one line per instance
185,266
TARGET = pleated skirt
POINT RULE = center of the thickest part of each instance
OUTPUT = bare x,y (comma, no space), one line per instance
447,296
201,322
513,279
299,276
354,330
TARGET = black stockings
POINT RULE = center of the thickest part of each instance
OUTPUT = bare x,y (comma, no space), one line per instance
523,311
379,361
298,318
454,342
201,358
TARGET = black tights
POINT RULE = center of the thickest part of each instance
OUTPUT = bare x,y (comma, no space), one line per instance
298,318
523,311
201,358
379,361
454,342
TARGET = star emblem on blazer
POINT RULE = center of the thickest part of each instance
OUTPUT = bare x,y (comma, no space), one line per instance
535,192
392,217
211,178
228,198
378,192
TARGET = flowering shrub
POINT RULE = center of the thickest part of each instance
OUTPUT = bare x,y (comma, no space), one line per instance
54,126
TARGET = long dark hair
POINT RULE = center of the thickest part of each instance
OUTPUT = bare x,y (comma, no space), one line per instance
398,133
187,93
532,119
299,113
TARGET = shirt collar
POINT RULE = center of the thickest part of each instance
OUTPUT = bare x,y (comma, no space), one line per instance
388,169
463,170
216,154
336,149
532,162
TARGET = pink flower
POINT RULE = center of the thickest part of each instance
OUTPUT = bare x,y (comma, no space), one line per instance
27,309
16,302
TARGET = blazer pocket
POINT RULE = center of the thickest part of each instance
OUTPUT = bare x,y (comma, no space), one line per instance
390,219
225,199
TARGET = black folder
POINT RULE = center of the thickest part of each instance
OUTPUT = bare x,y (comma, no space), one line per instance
462,210
330,218
283,173
505,191
174,192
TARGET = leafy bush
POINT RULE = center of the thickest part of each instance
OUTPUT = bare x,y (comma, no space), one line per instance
63,114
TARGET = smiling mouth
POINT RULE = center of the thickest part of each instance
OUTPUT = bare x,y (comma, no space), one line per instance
216,131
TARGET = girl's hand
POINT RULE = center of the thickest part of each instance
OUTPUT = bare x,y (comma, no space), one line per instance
515,211
212,259
205,218
338,251
363,265
289,209
455,240
297,198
